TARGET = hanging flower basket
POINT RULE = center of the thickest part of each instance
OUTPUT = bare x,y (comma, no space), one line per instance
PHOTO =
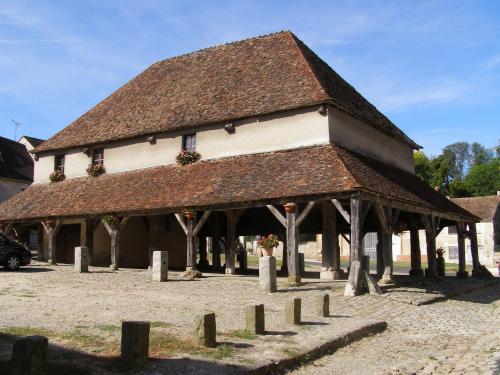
57,176
185,157
95,170
268,243
188,213
289,207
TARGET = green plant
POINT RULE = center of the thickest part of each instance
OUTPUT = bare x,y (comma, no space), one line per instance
112,220
268,242
57,176
95,170
187,213
185,157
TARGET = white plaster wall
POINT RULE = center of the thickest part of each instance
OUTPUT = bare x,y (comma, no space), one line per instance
355,135
268,133
9,188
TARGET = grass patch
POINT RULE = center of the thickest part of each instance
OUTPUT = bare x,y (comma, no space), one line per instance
155,324
241,334
28,331
109,328
221,351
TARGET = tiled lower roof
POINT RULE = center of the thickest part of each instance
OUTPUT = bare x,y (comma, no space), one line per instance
483,207
228,182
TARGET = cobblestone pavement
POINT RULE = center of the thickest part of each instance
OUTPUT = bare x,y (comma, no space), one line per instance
456,336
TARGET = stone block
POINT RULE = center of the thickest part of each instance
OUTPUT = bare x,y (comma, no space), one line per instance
81,259
267,274
292,311
29,356
204,330
135,343
322,305
255,319
160,266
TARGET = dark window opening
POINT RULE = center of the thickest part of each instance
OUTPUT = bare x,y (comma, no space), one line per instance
98,156
189,142
59,161
452,229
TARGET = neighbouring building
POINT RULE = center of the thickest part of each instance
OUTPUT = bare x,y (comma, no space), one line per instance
16,168
285,146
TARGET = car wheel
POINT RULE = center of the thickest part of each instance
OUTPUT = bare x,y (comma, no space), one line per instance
13,262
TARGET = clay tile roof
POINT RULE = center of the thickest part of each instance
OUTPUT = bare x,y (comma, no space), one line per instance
263,75
309,172
15,161
482,207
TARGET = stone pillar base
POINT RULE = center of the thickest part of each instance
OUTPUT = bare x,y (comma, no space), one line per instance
331,275
386,280
229,271
417,272
113,267
160,266
294,280
462,274
51,262
267,274
191,273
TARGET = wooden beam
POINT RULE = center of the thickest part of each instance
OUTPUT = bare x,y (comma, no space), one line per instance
201,222
415,252
304,213
292,239
232,219
345,238
344,213
180,220
277,214
430,234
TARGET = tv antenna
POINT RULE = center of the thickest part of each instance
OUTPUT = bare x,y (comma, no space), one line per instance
16,126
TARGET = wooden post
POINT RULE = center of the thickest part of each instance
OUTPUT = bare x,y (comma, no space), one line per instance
380,255
114,226
216,242
190,248
292,223
203,262
284,259
51,230
329,239
191,228
359,210
476,266
292,245
153,230
416,256
87,237
232,217
431,225
387,220
462,273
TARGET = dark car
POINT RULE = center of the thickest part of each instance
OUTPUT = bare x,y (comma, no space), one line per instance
13,254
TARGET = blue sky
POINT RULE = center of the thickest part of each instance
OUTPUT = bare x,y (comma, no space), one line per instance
433,67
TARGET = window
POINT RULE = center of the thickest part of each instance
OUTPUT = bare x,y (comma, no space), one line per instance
452,229
98,156
189,142
452,252
59,163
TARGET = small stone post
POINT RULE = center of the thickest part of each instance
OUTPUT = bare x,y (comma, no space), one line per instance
160,266
135,343
29,356
81,259
267,274
322,304
204,329
255,320
292,311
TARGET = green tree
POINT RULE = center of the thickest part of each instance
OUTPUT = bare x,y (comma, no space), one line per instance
423,168
483,179
480,154
457,156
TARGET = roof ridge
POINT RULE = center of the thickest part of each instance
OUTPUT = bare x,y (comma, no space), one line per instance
234,42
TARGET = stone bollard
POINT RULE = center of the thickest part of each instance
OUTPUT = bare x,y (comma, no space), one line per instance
29,356
81,259
160,266
255,320
135,343
267,274
292,311
204,329
322,304
302,263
